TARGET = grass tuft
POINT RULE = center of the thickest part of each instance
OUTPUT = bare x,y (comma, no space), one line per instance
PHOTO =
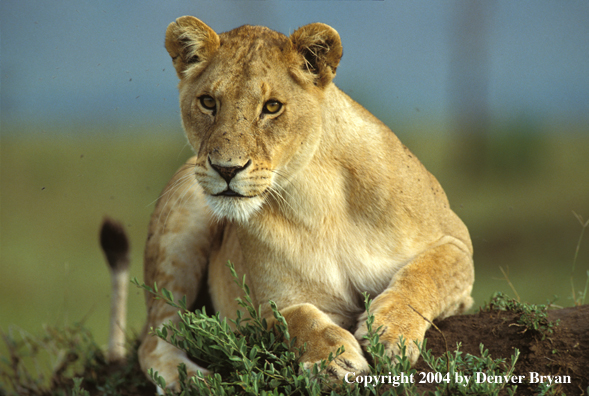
531,316
580,298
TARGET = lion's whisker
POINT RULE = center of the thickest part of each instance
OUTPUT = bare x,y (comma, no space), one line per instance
172,189
179,199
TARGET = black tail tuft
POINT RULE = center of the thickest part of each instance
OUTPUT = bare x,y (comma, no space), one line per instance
115,244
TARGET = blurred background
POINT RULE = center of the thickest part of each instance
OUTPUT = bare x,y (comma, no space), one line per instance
492,96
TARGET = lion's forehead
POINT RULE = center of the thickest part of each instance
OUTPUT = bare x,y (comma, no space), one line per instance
254,39
243,58
248,63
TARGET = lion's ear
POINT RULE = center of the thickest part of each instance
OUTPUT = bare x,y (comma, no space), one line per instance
190,43
321,48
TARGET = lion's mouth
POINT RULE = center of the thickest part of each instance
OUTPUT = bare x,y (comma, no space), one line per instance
230,193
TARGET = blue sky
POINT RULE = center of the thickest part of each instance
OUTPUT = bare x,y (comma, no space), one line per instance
68,62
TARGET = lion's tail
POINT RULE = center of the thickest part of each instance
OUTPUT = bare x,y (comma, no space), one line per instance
115,245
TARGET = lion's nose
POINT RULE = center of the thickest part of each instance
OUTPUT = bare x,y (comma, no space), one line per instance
229,172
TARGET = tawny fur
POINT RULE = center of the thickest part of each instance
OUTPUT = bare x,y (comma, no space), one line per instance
330,205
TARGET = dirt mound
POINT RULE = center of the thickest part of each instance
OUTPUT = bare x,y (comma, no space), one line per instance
565,352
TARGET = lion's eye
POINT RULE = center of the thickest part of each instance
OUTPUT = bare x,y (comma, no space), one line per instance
208,102
272,107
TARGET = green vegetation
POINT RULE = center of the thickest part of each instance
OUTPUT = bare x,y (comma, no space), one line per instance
252,360
531,317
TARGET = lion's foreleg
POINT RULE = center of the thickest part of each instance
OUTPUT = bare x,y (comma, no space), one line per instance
180,278
435,284
176,258
320,336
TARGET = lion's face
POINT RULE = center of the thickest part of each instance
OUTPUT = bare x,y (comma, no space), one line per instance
251,125
251,117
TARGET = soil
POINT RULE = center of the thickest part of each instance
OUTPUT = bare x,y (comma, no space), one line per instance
564,352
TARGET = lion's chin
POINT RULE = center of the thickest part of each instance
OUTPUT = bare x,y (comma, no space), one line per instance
238,209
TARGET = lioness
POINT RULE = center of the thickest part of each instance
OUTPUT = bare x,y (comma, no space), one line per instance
308,194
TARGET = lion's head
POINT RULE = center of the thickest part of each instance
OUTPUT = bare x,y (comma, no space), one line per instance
250,105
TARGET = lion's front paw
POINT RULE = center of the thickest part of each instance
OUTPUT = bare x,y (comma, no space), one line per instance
168,370
161,357
351,361
321,337
391,331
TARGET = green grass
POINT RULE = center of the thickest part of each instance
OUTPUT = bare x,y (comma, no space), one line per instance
56,188
252,360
